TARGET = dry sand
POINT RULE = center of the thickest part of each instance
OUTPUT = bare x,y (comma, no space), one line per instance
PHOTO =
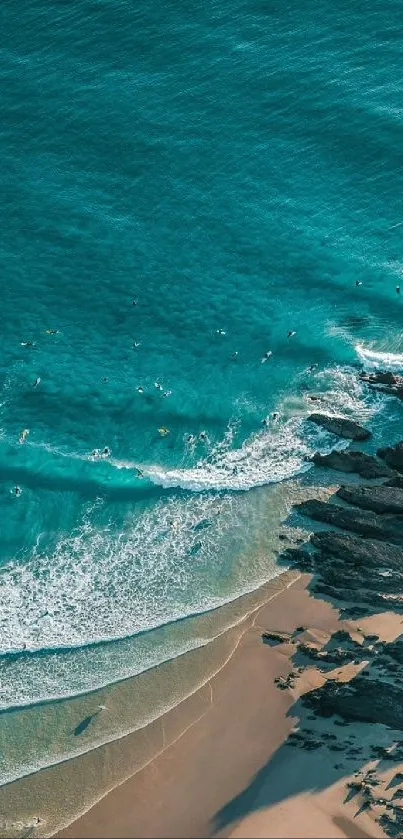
229,770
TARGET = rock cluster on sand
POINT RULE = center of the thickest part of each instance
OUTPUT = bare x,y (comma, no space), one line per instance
341,426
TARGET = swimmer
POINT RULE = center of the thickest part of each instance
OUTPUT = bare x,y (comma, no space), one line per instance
312,368
163,431
106,452
23,435
134,302
202,435
220,332
291,334
17,491
37,381
105,379
275,416
191,439
158,386
358,282
140,390
398,289
266,356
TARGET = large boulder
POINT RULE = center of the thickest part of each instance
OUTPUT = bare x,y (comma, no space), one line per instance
393,456
354,552
358,521
379,499
364,464
341,426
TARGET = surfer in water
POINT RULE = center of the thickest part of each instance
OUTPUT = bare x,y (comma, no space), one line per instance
23,435
266,356
398,289
291,334
358,283
37,381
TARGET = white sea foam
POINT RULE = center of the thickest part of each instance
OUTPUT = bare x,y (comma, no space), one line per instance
376,360
179,558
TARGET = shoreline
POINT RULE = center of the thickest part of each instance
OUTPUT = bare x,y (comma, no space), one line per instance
217,762
210,779
229,772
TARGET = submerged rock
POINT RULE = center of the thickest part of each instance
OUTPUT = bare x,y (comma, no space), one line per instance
358,521
393,456
341,426
365,465
379,499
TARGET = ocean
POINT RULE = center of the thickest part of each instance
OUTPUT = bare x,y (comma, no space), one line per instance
182,187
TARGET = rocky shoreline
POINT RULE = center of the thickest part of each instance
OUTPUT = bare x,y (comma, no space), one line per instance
357,565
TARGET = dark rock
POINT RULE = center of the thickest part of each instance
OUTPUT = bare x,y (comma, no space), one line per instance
395,482
365,465
361,553
341,426
393,456
360,699
362,522
379,499
298,557
275,638
385,382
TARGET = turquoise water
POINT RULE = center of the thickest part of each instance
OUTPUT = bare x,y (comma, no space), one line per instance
232,169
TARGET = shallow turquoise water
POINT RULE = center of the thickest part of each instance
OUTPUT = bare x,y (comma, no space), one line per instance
233,169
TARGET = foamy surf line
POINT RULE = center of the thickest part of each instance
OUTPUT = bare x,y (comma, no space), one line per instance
376,360
268,457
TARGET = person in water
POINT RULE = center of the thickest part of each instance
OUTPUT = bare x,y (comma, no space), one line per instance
163,431
17,491
358,282
291,334
266,356
398,289
37,381
106,452
23,435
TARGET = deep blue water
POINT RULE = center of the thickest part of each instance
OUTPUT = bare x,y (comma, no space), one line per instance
233,168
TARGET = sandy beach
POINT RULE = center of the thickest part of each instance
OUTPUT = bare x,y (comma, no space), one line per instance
230,773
